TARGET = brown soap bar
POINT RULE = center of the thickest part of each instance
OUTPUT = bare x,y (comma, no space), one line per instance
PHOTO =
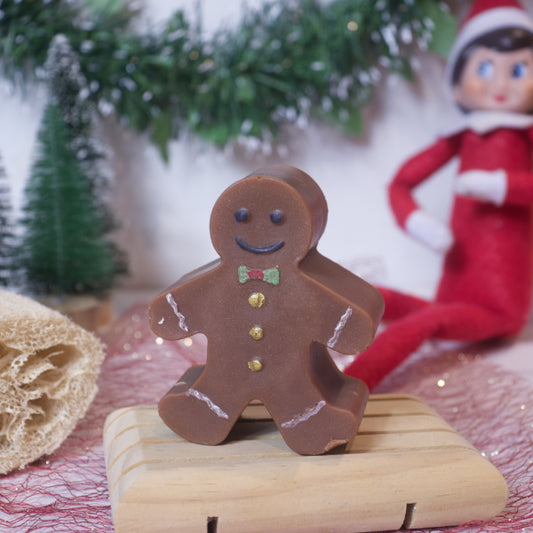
269,307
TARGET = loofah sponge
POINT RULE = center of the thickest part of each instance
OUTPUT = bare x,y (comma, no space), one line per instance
48,372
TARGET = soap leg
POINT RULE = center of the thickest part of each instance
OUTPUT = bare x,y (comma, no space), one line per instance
198,409
325,409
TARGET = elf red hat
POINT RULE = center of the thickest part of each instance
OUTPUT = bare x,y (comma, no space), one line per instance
484,17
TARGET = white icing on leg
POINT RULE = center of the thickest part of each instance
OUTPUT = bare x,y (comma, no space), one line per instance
212,406
181,316
339,327
303,417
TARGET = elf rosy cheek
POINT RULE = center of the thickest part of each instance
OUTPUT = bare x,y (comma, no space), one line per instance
474,87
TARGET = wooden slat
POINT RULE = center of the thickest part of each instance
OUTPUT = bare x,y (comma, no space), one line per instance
404,454
377,404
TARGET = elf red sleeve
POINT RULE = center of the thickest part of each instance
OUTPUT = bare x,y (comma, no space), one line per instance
414,171
520,185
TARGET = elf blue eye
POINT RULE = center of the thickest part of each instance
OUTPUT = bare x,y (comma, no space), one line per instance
519,70
276,216
485,69
241,215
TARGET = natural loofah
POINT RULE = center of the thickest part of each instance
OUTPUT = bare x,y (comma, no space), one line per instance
48,371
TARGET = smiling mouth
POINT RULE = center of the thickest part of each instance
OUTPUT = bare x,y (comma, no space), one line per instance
259,249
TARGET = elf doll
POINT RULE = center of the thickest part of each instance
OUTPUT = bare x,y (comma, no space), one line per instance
485,288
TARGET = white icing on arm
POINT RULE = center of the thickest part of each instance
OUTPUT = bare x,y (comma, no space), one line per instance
341,324
181,317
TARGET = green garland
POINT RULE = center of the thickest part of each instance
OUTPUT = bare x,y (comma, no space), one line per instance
284,62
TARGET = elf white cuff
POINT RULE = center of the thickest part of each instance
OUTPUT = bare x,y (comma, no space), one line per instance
429,231
488,186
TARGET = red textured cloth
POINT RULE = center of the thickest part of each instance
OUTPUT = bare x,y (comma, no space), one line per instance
67,492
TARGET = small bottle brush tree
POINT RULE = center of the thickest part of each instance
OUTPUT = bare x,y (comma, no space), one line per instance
63,249
6,232
69,89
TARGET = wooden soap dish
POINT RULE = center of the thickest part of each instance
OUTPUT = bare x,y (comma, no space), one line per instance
405,468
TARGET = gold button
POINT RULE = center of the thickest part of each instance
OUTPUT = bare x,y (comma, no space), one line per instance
256,333
255,365
256,299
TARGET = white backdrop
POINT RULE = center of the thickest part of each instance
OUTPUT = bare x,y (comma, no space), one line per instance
164,209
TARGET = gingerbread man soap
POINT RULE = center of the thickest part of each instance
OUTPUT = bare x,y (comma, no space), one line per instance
270,307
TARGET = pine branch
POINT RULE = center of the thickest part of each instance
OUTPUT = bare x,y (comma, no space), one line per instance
285,62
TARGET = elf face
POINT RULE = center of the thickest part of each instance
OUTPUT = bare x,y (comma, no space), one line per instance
496,81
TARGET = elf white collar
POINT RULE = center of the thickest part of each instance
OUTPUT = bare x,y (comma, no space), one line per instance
485,121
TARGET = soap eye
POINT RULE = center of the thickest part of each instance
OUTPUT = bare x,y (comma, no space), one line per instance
241,215
276,216
485,69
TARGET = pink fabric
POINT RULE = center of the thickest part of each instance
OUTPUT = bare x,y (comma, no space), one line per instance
67,491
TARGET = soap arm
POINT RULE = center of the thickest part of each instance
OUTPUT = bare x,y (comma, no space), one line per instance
176,313
352,323
352,307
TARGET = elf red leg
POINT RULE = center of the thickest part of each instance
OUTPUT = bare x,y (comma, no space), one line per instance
457,321
399,304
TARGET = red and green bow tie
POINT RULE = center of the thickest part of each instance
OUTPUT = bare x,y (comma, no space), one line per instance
270,275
